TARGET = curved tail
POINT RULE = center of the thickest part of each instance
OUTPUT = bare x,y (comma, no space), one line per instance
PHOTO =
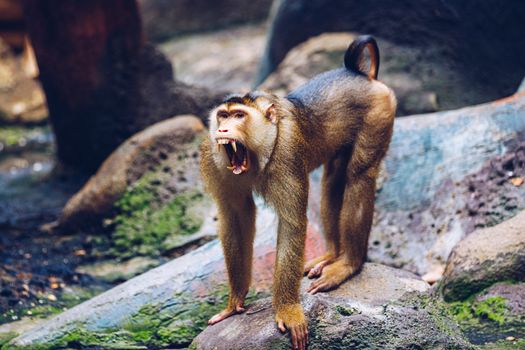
353,55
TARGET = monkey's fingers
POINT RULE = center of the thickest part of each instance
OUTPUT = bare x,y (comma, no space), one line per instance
280,325
298,334
317,269
321,285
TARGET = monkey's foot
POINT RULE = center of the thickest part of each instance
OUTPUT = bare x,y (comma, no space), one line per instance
332,276
314,267
229,311
291,317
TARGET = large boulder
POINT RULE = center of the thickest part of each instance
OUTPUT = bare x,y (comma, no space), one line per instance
485,257
458,43
163,19
381,308
447,174
170,147
417,89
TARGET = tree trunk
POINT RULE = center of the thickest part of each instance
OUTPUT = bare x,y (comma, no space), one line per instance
102,82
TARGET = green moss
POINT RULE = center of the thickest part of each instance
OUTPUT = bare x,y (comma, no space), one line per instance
471,311
144,223
6,338
346,311
177,324
171,325
11,136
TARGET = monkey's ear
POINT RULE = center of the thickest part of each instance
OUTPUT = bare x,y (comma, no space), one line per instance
271,113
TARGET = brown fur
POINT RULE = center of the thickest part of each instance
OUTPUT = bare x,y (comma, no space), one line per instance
346,130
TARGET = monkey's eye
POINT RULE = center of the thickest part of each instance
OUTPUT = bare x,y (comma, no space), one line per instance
239,114
222,115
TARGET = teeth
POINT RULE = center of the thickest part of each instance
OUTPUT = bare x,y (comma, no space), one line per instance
218,147
222,141
234,145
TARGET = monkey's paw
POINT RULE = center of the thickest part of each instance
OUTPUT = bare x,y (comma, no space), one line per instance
332,276
229,311
291,317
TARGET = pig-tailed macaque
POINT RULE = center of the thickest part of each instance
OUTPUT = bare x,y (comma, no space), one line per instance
263,143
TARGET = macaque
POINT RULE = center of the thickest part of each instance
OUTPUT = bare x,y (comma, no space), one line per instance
263,143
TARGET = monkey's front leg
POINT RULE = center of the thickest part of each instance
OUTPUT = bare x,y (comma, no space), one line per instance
288,273
236,231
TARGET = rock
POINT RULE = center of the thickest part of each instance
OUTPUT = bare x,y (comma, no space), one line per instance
461,72
485,257
114,271
163,19
171,145
381,308
22,99
432,194
177,297
326,51
221,60
514,294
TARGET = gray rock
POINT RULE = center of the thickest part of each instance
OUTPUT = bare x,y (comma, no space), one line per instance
381,308
514,295
163,19
485,257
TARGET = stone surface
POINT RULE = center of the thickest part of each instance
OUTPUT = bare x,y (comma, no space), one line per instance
462,68
163,19
442,172
485,257
223,60
381,308
514,295
164,142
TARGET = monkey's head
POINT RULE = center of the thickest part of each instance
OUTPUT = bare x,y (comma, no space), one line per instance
244,129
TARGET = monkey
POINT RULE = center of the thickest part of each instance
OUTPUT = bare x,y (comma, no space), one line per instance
265,144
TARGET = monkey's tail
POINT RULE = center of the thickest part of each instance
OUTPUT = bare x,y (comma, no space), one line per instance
354,57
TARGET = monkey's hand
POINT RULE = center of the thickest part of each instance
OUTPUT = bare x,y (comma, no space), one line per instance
235,308
291,317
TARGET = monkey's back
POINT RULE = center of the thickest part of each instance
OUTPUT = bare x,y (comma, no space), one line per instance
333,106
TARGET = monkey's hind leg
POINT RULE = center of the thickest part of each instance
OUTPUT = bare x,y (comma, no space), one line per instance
355,223
333,183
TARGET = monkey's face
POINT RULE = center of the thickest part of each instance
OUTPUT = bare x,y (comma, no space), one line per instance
243,134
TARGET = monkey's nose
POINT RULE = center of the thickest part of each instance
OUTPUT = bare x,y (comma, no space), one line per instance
223,130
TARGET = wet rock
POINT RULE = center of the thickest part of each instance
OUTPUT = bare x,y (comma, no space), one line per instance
324,52
463,72
169,148
485,257
514,295
381,308
163,19
22,99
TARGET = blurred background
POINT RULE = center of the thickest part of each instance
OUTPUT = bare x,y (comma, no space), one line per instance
103,105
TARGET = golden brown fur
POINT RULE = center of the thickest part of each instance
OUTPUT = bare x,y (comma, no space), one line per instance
342,120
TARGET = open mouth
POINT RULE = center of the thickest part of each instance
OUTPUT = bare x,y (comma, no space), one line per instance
237,153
